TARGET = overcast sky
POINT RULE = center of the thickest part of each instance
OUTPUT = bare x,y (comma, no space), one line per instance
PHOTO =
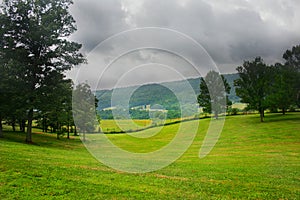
230,31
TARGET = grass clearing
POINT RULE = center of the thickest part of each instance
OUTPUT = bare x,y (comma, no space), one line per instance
123,125
251,160
119,125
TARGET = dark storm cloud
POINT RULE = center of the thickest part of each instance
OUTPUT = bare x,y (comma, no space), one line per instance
230,31
97,20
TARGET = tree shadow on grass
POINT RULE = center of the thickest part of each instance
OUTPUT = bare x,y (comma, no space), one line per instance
42,139
279,117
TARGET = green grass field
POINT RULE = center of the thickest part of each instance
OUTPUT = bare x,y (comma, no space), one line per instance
123,125
251,160
118,125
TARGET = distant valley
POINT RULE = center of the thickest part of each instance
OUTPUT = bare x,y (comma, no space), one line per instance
153,94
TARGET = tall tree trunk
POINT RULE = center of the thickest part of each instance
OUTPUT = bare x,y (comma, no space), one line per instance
68,130
261,112
283,111
68,126
75,131
44,124
29,126
58,130
22,125
1,131
13,124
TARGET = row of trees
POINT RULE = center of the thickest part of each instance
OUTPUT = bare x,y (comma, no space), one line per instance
34,54
259,85
272,87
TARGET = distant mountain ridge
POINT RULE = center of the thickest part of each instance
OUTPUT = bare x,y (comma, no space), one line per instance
151,94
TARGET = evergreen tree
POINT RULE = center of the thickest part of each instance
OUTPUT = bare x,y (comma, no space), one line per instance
214,91
282,92
35,39
292,64
84,107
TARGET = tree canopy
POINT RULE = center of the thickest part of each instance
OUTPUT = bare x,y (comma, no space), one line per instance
292,63
214,91
281,92
84,105
270,87
253,84
36,49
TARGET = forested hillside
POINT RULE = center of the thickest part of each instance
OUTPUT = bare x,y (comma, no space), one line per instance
163,94
152,94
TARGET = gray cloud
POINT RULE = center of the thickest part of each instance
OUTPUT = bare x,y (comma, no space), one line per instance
231,31
97,20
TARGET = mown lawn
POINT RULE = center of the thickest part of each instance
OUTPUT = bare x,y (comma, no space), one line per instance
251,160
123,125
110,125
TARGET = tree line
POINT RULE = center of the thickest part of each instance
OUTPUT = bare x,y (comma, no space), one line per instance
35,53
259,85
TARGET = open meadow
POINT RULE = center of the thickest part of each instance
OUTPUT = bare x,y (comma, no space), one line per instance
251,160
128,125
176,68
123,125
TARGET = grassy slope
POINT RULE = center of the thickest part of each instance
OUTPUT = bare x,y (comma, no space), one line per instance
251,160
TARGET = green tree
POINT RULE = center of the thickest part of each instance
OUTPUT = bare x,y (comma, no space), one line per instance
3,97
292,64
56,112
214,91
282,92
5,79
10,100
84,107
253,84
35,38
